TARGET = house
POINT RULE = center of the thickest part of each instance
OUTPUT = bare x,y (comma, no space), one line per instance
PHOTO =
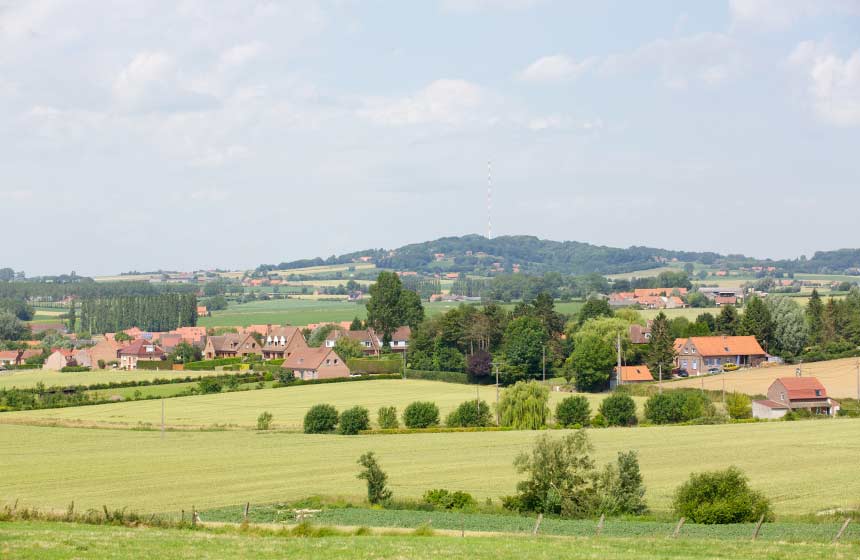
367,338
192,335
639,334
698,354
723,296
281,342
9,357
664,292
316,363
400,339
139,350
27,354
106,350
168,341
794,393
83,357
59,359
231,345
202,311
635,374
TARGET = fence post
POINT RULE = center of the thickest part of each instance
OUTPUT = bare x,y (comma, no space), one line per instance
537,525
600,524
842,530
678,527
247,507
758,527
193,516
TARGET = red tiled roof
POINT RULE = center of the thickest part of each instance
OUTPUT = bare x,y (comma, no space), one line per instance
803,387
772,404
636,373
139,348
727,346
309,358
9,355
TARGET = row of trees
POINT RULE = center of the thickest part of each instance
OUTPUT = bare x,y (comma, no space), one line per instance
152,312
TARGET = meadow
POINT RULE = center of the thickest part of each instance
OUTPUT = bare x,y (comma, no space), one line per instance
55,541
150,472
839,377
26,378
287,404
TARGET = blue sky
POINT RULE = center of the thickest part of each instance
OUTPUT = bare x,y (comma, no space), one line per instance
197,134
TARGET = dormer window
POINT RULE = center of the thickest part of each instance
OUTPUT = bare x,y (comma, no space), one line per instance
818,392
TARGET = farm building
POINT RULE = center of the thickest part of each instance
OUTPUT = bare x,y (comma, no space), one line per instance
795,393
139,350
697,354
635,374
59,359
316,363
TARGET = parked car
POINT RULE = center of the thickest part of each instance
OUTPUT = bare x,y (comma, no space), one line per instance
714,370
731,367
680,372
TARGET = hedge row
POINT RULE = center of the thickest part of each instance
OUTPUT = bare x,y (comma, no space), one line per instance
374,366
447,376
211,364
438,430
151,365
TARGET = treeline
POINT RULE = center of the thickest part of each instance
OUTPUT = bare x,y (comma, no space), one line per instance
161,312
509,287
29,289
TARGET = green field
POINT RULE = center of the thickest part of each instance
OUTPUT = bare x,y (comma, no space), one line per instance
30,377
802,466
55,541
287,404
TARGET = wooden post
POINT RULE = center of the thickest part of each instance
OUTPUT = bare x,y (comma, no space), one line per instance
182,517
600,524
247,507
537,525
193,516
758,527
842,530
678,527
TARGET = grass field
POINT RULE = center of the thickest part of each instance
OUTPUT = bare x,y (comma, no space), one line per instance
50,467
30,377
838,376
287,404
56,541
326,269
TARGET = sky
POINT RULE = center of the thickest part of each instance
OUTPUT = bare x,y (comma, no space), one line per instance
196,134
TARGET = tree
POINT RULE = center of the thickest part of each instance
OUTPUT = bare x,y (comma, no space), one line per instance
790,329
320,419
719,497
619,409
389,308
728,322
421,414
386,417
697,299
356,325
594,308
595,352
12,328
524,406
412,312
264,421
661,346
815,317
71,318
353,420
738,405
470,414
572,411
184,352
348,348
756,321
524,346
620,487
377,491
216,303
708,320
479,364
6,274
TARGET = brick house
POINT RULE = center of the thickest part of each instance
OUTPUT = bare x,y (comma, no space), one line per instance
231,345
698,354
371,341
139,350
59,359
106,350
316,363
794,393
281,342
9,357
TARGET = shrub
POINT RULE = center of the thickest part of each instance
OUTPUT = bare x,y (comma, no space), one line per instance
421,414
598,421
573,410
443,499
377,492
320,419
524,406
618,409
264,421
101,364
74,369
209,385
387,418
678,406
620,488
720,497
447,376
738,405
470,414
353,420
373,365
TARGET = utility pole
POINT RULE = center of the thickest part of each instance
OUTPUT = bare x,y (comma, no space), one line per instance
544,361
618,379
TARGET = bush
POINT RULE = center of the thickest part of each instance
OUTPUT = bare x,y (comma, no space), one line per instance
447,376
619,409
620,488
599,421
320,419
738,405
74,369
720,497
443,499
211,364
470,414
209,385
524,406
375,365
421,414
377,492
673,407
573,410
387,418
264,421
353,420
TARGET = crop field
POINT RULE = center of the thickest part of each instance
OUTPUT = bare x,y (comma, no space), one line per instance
327,269
140,469
838,376
54,541
30,377
288,405
690,313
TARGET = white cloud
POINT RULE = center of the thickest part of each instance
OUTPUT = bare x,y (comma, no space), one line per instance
554,68
833,82
467,6
240,54
152,82
556,122
781,14
450,102
209,195
17,195
24,19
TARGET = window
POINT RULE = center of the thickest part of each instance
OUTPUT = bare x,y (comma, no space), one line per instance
818,392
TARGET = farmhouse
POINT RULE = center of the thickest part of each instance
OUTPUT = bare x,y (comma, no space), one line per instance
281,342
106,350
697,354
9,357
371,341
139,350
59,359
316,363
231,345
795,393
639,334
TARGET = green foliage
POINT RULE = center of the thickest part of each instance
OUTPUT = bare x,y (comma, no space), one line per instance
661,346
209,385
790,330
185,353
421,414
319,334
74,369
12,328
264,420
441,498
470,414
320,419
349,348
524,406
211,364
354,420
386,417
391,306
595,352
573,410
677,406
377,491
728,321
757,321
373,365
620,488
720,497
594,308
738,405
161,312
524,345
618,409
447,376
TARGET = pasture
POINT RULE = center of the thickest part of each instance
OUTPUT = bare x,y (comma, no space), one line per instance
287,404
838,376
51,466
31,377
